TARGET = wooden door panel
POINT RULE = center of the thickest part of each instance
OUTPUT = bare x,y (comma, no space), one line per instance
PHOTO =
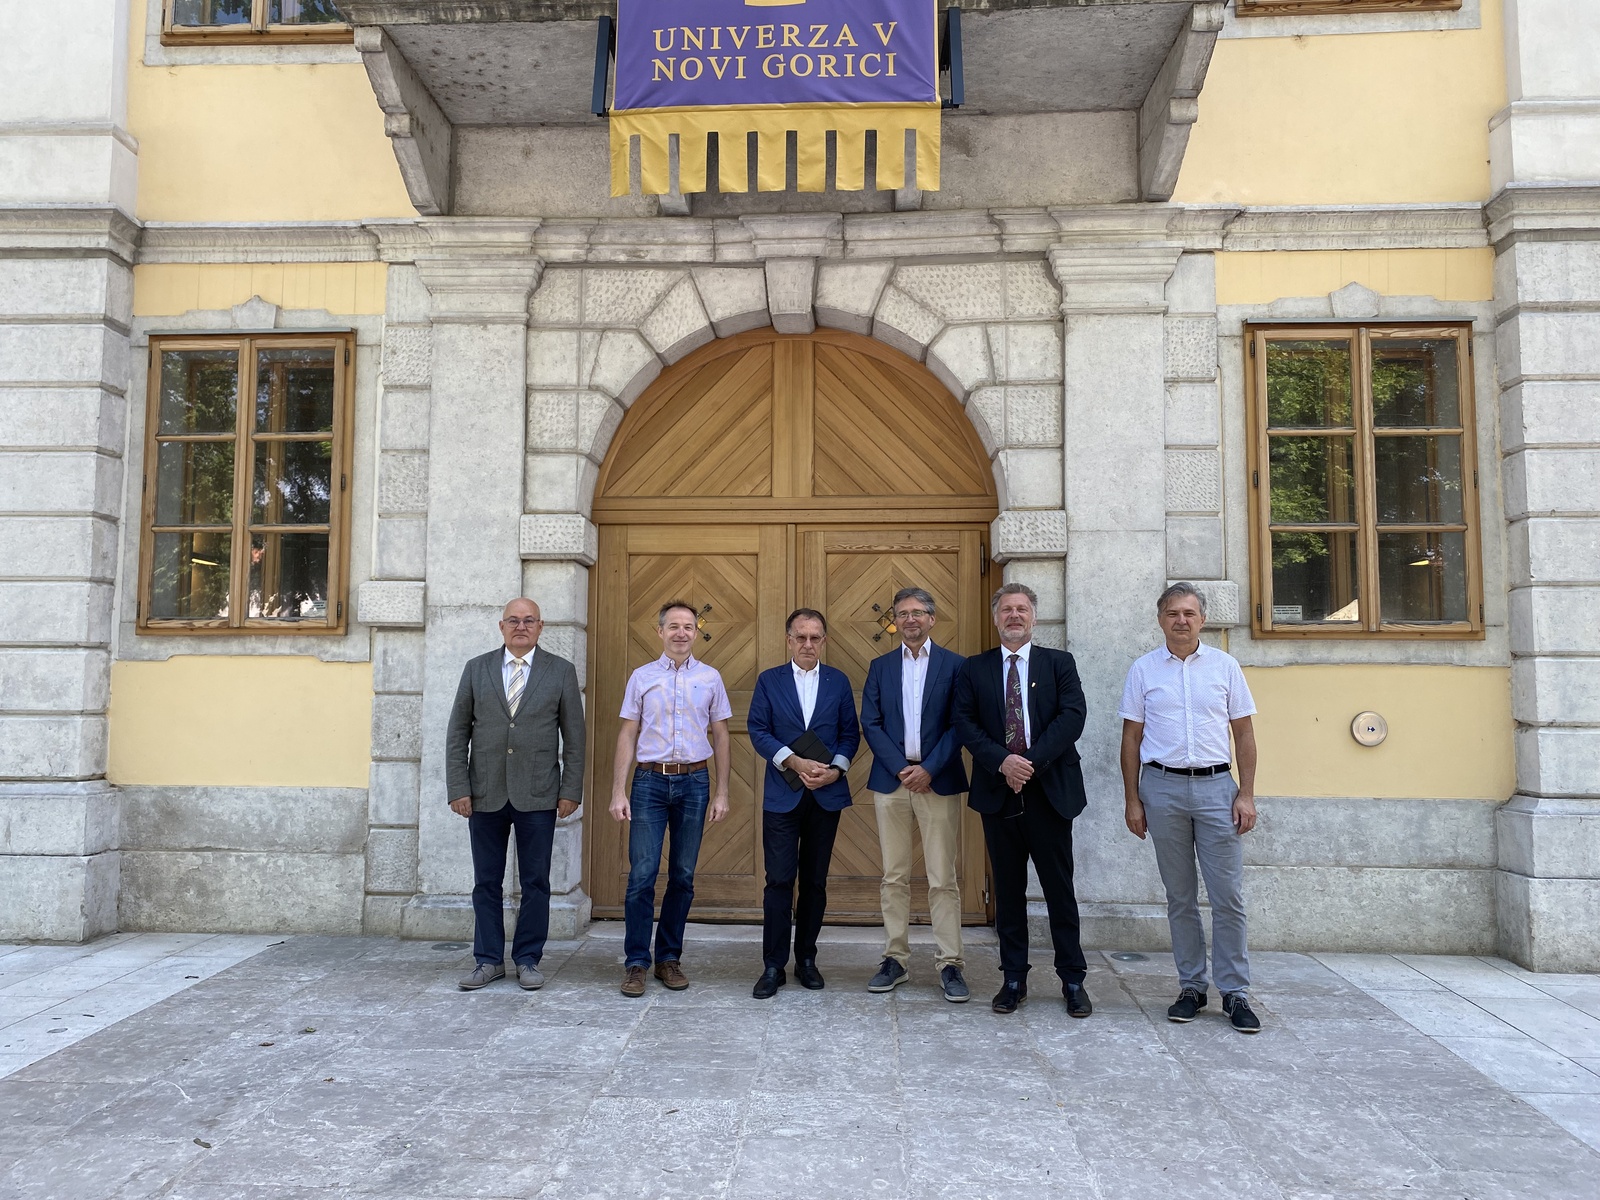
719,572
761,472
852,576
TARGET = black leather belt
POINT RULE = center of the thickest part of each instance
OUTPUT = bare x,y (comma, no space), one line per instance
1192,771
675,768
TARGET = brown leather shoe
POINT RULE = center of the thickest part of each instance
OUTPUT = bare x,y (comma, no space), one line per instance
671,975
633,982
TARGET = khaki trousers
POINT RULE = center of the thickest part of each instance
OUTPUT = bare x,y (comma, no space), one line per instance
939,820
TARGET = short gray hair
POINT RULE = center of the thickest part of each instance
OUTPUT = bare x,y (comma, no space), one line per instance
1181,589
914,593
661,615
1014,589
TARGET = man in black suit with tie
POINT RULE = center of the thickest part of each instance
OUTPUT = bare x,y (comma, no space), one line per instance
1019,710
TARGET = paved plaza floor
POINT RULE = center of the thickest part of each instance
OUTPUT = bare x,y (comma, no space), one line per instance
197,1068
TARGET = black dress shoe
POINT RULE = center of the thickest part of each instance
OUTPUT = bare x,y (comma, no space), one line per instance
767,986
1078,1003
1009,997
806,972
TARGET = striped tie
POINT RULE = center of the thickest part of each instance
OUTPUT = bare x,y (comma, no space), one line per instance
519,679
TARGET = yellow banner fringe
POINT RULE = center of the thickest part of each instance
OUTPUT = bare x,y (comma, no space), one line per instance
771,125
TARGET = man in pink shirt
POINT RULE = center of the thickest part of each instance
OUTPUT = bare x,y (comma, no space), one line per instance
674,721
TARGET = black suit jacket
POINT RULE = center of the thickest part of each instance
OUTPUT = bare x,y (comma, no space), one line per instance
1056,712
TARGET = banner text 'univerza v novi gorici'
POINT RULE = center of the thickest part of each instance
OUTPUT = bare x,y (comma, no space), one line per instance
734,68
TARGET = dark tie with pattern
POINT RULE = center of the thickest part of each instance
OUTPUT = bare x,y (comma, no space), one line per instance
1016,731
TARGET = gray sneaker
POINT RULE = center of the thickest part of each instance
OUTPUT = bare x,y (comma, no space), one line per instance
529,977
955,987
890,976
481,976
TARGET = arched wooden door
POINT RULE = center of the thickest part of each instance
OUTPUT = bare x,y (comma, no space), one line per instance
763,473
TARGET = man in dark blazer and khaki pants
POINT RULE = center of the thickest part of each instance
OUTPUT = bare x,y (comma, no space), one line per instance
514,763
917,782
1020,710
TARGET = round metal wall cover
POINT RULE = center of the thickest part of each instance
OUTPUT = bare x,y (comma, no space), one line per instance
1369,729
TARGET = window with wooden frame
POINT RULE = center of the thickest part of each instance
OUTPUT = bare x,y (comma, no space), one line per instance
1317,8
246,478
252,22
1364,483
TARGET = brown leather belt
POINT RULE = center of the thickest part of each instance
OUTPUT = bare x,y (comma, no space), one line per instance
675,768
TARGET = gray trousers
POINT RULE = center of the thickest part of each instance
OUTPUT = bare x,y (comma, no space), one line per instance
1191,818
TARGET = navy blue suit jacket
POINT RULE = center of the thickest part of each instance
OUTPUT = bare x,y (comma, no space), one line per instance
776,722
1056,712
884,724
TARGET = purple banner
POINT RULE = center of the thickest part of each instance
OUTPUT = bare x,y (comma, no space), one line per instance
710,53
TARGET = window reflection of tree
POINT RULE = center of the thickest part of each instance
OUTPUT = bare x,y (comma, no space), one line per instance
1309,393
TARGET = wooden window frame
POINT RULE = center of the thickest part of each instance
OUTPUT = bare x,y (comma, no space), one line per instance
257,33
1325,8
1371,625
338,527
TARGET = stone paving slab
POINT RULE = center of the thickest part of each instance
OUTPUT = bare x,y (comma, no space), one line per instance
355,1068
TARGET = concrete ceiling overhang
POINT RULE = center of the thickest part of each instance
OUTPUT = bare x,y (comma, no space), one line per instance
439,64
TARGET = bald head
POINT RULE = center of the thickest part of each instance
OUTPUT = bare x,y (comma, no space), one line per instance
520,626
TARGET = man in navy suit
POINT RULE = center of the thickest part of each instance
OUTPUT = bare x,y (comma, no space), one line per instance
1020,710
917,780
798,824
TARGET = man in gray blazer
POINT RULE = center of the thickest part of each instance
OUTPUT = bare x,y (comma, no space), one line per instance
514,761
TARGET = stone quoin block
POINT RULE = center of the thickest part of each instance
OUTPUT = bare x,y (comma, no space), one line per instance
391,602
407,355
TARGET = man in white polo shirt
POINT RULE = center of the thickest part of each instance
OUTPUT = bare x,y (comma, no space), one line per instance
1178,707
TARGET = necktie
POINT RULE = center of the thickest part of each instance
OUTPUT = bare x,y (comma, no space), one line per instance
1016,731
519,680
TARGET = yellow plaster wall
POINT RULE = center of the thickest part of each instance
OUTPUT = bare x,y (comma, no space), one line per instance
170,289
259,143
237,720
1450,731
1260,277
1348,119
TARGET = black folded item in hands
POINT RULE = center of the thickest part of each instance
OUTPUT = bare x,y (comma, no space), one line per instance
807,745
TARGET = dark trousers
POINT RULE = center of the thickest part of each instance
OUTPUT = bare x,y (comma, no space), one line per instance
1041,833
797,845
491,833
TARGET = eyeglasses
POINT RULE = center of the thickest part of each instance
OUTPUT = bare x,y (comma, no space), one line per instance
912,614
519,622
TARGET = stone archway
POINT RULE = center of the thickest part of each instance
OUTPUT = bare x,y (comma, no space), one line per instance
763,472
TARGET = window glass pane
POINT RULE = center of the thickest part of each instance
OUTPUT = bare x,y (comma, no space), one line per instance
1414,382
294,390
189,579
1423,576
293,483
1308,384
1312,479
1419,480
194,483
289,576
199,391
301,12
1314,578
211,12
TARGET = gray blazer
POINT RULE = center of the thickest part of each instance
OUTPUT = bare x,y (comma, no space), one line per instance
496,758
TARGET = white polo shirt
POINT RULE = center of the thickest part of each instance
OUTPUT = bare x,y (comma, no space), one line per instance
1185,705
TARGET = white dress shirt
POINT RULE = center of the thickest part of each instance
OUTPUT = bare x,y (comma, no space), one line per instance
508,668
1185,705
806,684
1024,651
913,680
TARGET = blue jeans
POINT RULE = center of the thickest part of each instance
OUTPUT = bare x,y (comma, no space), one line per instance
662,804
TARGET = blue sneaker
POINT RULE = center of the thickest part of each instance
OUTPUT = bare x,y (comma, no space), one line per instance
955,987
890,976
